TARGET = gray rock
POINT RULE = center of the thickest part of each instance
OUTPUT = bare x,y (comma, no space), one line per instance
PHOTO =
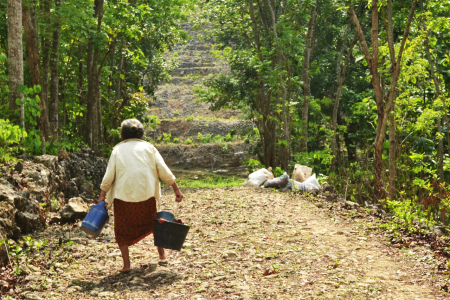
351,204
87,188
32,297
29,215
33,277
106,294
8,194
328,188
49,161
3,283
440,230
34,175
54,218
230,255
19,167
28,222
75,209
94,293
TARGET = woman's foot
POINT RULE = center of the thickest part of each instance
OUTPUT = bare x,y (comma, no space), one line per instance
162,253
124,270
126,259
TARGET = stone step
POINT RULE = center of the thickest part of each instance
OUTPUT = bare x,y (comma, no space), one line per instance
197,71
195,64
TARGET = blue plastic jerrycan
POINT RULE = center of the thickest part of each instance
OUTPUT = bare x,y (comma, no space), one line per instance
95,219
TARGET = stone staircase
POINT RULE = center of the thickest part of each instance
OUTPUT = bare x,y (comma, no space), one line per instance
176,99
183,116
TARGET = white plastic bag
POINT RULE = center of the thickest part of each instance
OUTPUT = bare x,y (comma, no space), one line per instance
301,173
309,185
258,178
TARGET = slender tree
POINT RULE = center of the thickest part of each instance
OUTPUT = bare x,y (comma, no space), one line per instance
54,81
33,60
15,58
306,79
384,104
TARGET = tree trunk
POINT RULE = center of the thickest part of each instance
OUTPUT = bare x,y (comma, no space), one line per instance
15,59
81,99
269,142
89,102
118,94
54,83
93,92
340,82
45,41
382,108
306,80
32,46
285,155
392,154
439,93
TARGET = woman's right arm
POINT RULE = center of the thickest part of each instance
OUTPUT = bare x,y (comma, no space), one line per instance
109,177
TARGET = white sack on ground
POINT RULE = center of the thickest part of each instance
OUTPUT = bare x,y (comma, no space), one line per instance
309,185
301,173
258,178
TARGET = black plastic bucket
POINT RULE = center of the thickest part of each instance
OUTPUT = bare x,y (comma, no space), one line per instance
165,215
169,235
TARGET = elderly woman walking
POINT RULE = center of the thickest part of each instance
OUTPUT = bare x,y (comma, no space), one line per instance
131,181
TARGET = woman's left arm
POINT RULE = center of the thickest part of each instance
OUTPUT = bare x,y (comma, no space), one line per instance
167,176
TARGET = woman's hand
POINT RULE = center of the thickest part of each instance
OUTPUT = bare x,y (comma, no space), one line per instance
102,197
178,194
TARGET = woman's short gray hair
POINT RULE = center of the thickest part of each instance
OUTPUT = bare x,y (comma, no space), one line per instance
132,128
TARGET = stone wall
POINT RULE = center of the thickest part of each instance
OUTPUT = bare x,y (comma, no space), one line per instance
207,156
32,190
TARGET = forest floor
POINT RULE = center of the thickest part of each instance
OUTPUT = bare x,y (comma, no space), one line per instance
244,243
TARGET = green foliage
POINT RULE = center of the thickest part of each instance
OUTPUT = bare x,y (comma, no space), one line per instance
165,138
224,149
204,138
319,160
277,172
10,137
409,215
253,165
189,118
152,121
211,181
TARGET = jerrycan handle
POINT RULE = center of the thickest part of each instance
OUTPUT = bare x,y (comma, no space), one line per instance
101,206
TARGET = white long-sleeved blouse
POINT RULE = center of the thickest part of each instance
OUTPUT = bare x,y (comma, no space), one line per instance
133,171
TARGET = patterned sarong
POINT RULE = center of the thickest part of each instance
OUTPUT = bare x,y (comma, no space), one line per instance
133,221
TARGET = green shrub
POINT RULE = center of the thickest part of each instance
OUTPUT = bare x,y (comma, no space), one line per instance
10,136
319,160
278,172
225,149
189,118
204,138
253,165
176,140
188,141
152,121
166,137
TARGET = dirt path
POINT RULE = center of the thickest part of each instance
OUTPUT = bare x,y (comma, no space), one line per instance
237,235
